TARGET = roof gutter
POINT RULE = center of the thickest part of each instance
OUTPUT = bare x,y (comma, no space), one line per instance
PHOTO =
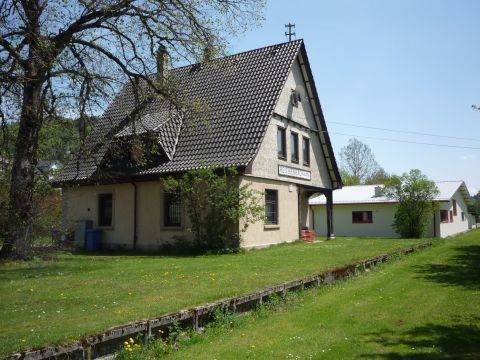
135,237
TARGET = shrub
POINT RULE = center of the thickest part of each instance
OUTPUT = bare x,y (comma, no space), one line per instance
415,195
215,204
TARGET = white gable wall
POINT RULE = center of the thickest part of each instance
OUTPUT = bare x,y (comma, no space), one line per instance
266,162
457,226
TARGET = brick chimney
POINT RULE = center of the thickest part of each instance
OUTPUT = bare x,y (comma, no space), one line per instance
162,63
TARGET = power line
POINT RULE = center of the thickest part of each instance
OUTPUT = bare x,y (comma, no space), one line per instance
404,131
407,141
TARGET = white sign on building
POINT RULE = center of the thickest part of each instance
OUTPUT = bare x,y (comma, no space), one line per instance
293,172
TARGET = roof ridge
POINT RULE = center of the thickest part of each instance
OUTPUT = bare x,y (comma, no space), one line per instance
236,54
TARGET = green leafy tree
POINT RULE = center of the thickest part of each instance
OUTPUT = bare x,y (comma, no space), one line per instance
474,207
415,195
348,179
46,207
216,204
73,56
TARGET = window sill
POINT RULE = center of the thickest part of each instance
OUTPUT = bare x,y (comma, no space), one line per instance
306,164
362,222
171,228
294,161
271,227
280,157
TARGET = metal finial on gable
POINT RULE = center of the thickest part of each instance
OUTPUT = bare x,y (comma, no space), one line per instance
290,26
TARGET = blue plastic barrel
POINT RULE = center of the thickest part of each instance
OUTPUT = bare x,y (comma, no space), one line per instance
93,239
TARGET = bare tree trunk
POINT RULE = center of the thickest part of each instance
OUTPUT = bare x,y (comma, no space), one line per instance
20,211
18,242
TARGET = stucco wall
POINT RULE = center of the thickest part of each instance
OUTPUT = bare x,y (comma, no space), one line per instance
342,220
81,203
259,234
457,226
265,164
152,234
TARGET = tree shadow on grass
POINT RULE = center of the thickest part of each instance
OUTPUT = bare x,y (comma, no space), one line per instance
463,269
431,341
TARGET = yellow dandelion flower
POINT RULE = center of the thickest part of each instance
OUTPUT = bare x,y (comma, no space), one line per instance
131,340
126,342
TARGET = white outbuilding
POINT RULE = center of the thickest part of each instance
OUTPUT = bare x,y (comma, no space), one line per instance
362,211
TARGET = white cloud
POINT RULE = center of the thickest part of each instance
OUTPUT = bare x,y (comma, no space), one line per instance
468,157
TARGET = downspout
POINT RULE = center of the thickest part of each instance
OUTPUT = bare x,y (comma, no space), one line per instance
135,237
434,222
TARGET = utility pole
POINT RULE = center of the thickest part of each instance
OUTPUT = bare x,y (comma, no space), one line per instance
290,26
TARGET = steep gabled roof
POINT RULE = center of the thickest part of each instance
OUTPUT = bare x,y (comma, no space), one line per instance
364,194
239,93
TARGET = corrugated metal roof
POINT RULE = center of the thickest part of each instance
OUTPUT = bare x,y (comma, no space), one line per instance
362,194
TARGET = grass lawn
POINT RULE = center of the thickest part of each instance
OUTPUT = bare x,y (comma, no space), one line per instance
46,302
422,306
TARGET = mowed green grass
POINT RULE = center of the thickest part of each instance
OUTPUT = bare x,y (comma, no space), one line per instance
423,306
47,302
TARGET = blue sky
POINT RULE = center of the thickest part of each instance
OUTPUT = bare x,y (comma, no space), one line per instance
408,65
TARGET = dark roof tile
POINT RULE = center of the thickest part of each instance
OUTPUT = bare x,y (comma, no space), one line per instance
240,92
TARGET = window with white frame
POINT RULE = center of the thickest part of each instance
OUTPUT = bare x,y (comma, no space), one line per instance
271,207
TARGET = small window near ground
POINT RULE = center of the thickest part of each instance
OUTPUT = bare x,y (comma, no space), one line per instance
271,207
294,146
172,209
444,216
105,210
281,143
306,151
454,207
451,216
463,216
362,217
